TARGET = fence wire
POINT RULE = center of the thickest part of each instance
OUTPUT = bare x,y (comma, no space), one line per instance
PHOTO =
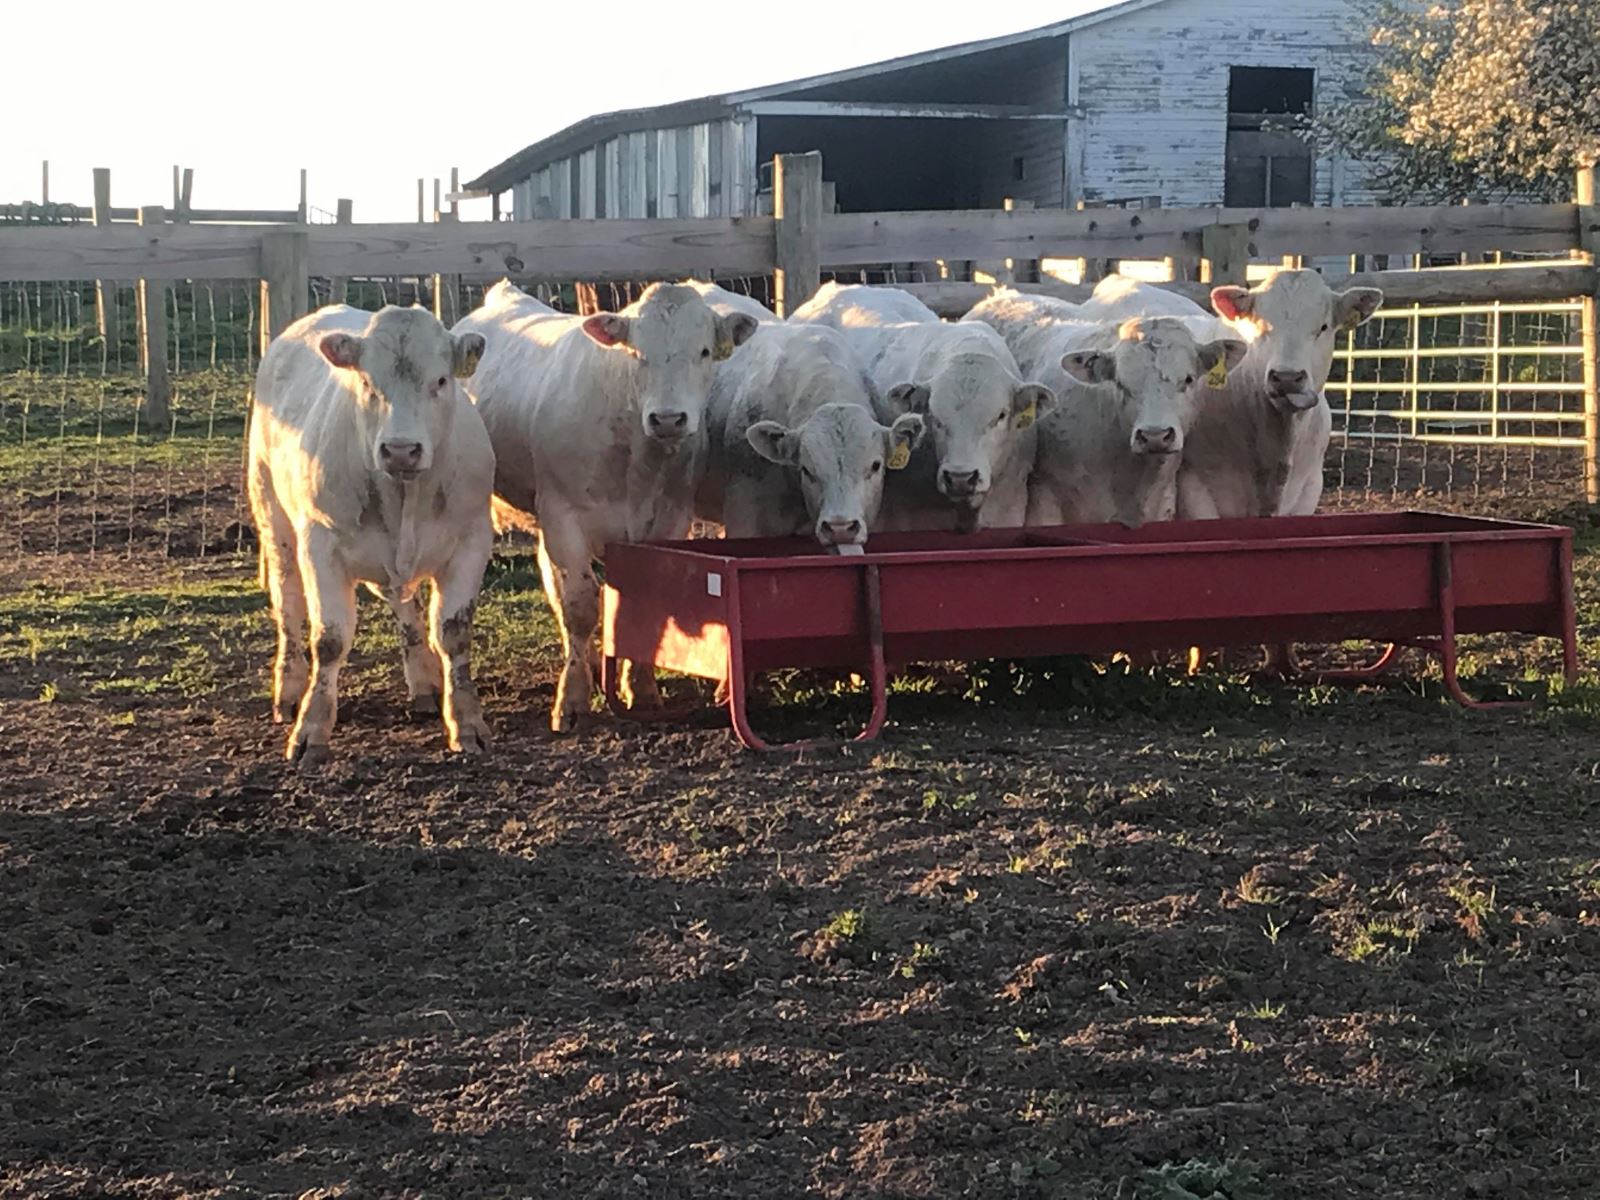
1478,408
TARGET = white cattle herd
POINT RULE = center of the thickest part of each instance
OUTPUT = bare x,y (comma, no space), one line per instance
381,442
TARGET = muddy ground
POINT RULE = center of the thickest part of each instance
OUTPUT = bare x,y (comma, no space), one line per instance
1309,943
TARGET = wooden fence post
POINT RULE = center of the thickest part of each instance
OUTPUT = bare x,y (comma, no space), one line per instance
284,281
447,288
105,290
339,289
1226,251
153,341
1589,248
797,205
1092,270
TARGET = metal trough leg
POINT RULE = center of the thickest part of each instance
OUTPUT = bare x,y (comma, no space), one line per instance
1390,656
738,681
1446,648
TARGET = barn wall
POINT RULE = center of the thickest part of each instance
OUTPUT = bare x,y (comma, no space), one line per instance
1155,86
705,170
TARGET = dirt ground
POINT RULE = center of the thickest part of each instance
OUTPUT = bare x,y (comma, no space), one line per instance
1142,938
1171,940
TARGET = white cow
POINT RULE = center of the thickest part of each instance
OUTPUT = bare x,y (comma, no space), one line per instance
795,445
368,464
1258,446
725,303
598,429
858,306
963,381
1127,393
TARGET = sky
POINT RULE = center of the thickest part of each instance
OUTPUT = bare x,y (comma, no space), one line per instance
370,96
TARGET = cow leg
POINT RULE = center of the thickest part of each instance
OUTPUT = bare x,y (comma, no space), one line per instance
455,597
637,686
280,575
331,603
574,595
286,590
424,678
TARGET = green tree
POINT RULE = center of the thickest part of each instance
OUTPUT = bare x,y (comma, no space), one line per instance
1474,98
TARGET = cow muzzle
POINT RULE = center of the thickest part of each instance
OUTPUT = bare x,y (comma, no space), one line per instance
1157,439
957,483
403,460
841,531
1292,389
667,425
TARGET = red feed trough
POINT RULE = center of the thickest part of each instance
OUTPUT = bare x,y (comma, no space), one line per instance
725,610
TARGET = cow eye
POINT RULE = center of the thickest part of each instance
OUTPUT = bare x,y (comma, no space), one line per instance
442,381
705,354
1188,381
1325,328
875,468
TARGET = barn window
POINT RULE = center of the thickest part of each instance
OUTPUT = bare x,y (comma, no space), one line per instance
1268,167
1019,170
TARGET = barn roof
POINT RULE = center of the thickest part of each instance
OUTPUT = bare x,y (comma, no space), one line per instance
604,126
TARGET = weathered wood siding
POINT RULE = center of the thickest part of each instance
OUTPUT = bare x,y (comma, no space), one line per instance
705,170
1155,86
1039,145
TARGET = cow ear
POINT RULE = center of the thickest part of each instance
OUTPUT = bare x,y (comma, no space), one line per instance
1030,402
1220,357
1233,303
465,351
341,349
734,330
901,438
608,329
1356,306
772,441
909,398
1090,366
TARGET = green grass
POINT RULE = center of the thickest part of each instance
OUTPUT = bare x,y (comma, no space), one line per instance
193,639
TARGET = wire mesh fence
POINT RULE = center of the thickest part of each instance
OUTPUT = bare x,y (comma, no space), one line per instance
1478,408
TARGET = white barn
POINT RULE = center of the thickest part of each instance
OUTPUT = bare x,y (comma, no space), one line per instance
1149,101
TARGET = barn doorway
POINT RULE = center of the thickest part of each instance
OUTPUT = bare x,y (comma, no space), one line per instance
1266,167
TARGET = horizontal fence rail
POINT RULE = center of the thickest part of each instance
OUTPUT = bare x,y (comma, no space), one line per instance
639,249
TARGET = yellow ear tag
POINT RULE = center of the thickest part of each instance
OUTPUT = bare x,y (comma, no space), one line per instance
1027,416
722,351
1218,375
899,456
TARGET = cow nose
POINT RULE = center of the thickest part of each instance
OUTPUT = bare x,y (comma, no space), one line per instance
1289,383
401,456
668,424
840,533
1155,439
958,483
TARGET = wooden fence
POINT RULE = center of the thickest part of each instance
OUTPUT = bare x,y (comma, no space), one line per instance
802,239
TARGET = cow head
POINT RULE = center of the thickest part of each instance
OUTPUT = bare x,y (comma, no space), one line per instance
677,341
842,454
1292,321
408,364
974,408
1159,376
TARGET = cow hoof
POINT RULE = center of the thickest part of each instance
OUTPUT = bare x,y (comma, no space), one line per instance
310,756
472,742
425,706
563,722
282,714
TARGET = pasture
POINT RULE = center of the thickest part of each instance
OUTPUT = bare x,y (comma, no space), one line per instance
1067,930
